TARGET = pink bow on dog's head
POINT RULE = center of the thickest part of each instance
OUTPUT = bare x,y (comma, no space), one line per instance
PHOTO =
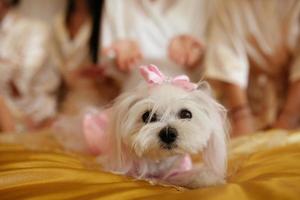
154,76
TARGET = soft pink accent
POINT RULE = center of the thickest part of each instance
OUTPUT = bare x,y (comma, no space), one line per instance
154,76
94,129
184,165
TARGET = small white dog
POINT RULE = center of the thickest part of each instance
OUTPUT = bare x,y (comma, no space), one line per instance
151,131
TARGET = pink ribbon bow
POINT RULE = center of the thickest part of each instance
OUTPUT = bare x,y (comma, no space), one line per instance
95,132
154,76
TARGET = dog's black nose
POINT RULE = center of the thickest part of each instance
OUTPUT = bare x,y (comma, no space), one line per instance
168,135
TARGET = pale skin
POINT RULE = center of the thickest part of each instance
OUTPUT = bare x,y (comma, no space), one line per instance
235,96
287,119
127,54
289,116
184,50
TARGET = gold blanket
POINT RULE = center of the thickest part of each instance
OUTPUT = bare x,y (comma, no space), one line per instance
266,166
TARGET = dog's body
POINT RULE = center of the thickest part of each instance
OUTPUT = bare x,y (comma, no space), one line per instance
154,129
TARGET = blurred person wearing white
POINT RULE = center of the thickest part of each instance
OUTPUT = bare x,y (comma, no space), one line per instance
27,79
75,50
169,33
252,58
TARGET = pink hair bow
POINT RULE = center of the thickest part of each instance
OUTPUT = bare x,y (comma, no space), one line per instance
154,76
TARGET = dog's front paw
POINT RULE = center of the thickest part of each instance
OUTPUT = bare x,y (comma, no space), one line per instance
196,179
204,180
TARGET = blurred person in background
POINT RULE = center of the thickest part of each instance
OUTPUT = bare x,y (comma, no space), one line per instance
76,36
28,81
252,59
167,33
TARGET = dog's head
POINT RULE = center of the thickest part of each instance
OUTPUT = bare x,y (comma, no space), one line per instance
162,120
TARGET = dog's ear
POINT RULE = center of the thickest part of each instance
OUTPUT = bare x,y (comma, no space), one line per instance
204,87
120,156
215,153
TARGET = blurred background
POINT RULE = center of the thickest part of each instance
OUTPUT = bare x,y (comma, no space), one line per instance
60,57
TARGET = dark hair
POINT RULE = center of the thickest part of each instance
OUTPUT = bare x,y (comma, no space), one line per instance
95,9
13,3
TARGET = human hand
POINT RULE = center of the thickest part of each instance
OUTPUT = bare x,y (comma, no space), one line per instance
289,117
127,53
91,72
186,50
241,121
287,120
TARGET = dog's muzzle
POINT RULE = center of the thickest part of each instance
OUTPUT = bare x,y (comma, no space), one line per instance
168,135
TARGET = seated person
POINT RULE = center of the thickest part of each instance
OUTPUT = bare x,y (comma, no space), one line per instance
251,58
75,50
168,31
27,78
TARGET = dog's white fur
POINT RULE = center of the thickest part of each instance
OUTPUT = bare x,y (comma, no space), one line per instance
134,147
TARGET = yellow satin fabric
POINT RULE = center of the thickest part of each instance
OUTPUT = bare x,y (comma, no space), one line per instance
272,172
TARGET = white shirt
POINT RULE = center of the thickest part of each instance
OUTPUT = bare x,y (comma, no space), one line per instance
25,62
70,53
238,24
154,23
265,34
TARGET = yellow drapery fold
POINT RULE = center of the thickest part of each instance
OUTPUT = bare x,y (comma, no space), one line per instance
267,173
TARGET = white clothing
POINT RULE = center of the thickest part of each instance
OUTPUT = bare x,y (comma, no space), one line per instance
71,53
265,32
152,24
263,35
25,63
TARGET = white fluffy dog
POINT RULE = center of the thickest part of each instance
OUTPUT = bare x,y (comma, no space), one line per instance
153,129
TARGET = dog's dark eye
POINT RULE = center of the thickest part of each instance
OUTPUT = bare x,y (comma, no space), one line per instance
146,117
185,114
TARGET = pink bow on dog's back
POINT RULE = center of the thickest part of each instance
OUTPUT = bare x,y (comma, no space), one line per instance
154,76
95,132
